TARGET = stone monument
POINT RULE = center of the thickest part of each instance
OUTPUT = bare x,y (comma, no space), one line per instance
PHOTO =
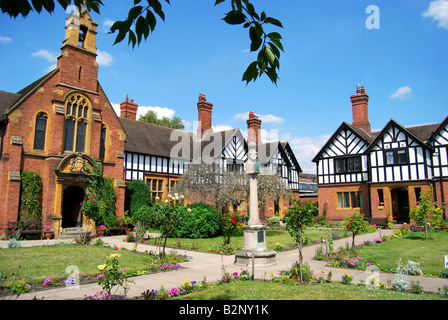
255,250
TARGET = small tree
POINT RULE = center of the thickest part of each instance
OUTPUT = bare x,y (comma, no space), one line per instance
356,224
426,213
229,223
168,216
297,217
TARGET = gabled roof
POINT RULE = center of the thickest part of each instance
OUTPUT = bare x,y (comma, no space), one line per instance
391,123
152,139
7,99
360,133
433,133
218,141
10,101
285,145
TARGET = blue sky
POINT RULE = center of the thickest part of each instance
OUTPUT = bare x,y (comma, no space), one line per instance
328,51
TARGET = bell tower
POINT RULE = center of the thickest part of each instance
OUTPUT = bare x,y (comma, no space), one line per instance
77,62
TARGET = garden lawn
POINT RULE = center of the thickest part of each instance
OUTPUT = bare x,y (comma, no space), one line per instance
413,246
258,290
39,263
237,241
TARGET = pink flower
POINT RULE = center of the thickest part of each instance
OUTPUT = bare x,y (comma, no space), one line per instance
46,281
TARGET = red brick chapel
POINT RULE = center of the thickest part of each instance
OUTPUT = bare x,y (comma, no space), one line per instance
57,122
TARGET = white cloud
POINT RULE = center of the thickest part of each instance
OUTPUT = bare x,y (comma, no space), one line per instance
305,149
160,112
104,58
142,110
265,118
107,23
221,127
401,92
5,40
50,56
438,11
116,107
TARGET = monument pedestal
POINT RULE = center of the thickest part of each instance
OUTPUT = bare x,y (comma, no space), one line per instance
255,245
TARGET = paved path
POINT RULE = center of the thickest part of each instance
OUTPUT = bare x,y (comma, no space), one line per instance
209,266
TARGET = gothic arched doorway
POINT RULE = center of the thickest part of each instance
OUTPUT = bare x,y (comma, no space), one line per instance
73,196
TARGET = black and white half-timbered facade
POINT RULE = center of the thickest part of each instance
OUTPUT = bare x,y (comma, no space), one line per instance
381,174
149,155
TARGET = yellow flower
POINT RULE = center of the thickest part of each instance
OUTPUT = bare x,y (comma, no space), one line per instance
109,268
114,256
101,267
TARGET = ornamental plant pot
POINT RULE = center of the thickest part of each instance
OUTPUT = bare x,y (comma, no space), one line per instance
48,234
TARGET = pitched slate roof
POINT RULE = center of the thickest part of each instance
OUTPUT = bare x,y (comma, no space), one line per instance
148,138
9,101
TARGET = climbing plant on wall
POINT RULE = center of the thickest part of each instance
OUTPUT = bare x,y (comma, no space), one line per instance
99,204
30,197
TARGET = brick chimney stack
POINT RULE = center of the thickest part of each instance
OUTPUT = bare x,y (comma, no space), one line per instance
360,110
128,109
253,129
204,116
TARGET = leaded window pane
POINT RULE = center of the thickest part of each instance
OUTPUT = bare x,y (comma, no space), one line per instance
69,134
40,132
81,136
102,142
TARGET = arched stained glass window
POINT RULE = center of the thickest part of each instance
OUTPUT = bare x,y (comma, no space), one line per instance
40,131
77,108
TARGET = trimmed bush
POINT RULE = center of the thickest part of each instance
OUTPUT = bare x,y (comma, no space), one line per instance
201,221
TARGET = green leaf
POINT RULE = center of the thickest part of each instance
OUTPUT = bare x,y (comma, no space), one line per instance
235,17
273,21
151,19
269,54
135,12
141,28
218,2
37,5
132,38
251,72
255,36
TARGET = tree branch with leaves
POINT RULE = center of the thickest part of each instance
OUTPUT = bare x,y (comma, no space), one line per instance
142,19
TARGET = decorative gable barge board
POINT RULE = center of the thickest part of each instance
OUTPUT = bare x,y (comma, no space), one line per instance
439,140
344,143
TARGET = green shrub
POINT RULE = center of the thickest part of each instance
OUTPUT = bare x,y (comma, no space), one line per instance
274,222
199,221
148,215
137,194
294,272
